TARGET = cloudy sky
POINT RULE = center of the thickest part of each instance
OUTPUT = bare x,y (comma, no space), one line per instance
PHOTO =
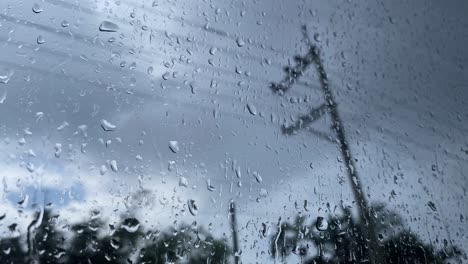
196,73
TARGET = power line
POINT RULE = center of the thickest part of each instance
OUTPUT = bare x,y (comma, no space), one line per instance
293,74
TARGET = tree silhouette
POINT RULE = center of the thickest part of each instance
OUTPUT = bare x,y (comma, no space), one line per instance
187,244
338,239
95,241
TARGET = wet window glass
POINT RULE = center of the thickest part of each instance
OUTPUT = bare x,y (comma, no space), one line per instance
266,131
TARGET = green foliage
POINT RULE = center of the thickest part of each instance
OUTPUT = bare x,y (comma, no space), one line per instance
342,241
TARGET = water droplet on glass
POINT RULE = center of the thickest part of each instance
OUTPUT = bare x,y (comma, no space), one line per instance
3,97
131,225
107,126
317,37
252,109
150,70
107,26
40,39
58,150
432,206
197,243
183,182
5,75
65,23
113,165
62,126
321,224
209,186
103,170
193,209
213,50
257,177
174,146
115,243
240,42
36,8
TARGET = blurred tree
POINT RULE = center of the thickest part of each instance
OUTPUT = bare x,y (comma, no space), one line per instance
338,239
96,242
187,244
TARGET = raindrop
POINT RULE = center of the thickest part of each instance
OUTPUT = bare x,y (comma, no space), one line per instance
238,172
317,37
7,251
174,146
432,206
113,165
252,109
166,76
37,8
131,225
107,126
321,224
107,26
22,141
115,243
103,170
257,177
58,150
210,187
65,23
150,70
183,182
240,42
30,167
193,209
5,75
62,126
265,230
3,97
213,50
40,39
197,243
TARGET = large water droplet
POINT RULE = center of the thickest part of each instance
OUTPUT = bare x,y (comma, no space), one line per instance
103,170
174,146
113,165
183,182
193,209
240,42
252,109
321,224
40,39
107,26
257,177
131,225
36,8
209,186
58,150
115,243
107,126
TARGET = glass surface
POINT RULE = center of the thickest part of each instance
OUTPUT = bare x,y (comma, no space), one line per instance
262,131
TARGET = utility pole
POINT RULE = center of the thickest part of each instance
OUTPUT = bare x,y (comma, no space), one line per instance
235,239
294,73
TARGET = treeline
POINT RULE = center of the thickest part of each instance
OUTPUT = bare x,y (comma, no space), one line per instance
94,242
